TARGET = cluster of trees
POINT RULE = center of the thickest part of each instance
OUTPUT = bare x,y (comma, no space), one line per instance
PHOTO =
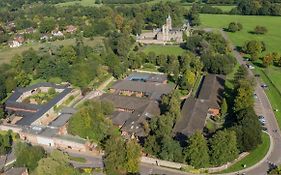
35,159
90,122
193,15
92,21
213,50
247,126
270,58
160,142
254,48
77,64
28,156
218,150
56,163
234,27
121,156
254,7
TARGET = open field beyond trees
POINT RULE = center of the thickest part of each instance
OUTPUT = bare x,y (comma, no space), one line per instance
7,54
81,2
254,157
271,75
272,39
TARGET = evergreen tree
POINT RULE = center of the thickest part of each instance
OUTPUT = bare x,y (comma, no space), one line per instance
197,153
223,147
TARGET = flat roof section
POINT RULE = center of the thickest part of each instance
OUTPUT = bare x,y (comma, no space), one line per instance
27,110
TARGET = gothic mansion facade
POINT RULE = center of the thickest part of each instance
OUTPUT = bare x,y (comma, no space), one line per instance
164,35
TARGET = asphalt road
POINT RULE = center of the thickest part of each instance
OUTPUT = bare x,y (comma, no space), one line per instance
265,109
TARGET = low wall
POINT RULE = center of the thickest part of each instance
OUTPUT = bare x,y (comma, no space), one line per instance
160,162
175,165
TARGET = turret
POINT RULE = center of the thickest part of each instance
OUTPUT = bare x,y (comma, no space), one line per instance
169,23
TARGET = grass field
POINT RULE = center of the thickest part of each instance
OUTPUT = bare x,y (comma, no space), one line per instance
272,75
81,2
7,54
166,50
272,39
254,157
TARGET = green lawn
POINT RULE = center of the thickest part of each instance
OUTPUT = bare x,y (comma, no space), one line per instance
78,159
6,54
254,157
272,39
80,2
166,50
270,76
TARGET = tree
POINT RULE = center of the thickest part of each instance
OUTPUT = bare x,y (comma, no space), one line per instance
193,15
5,142
133,156
224,107
115,155
28,156
276,59
244,95
254,48
55,164
234,27
260,30
47,25
267,60
3,92
188,80
89,122
170,149
68,54
223,147
197,153
119,21
248,130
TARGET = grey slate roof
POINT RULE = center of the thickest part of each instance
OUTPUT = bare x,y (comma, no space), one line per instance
131,122
62,119
28,117
194,110
151,89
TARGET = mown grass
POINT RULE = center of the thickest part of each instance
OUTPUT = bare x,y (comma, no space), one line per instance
165,50
6,54
254,157
79,2
272,39
270,76
78,159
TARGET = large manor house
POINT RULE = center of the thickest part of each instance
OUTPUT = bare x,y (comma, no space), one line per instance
164,35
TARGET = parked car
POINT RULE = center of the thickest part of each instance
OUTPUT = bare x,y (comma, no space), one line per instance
257,75
250,66
255,96
264,128
264,86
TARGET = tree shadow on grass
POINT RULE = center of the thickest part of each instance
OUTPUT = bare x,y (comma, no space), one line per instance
260,65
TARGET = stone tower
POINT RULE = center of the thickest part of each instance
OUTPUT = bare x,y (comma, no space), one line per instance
169,23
